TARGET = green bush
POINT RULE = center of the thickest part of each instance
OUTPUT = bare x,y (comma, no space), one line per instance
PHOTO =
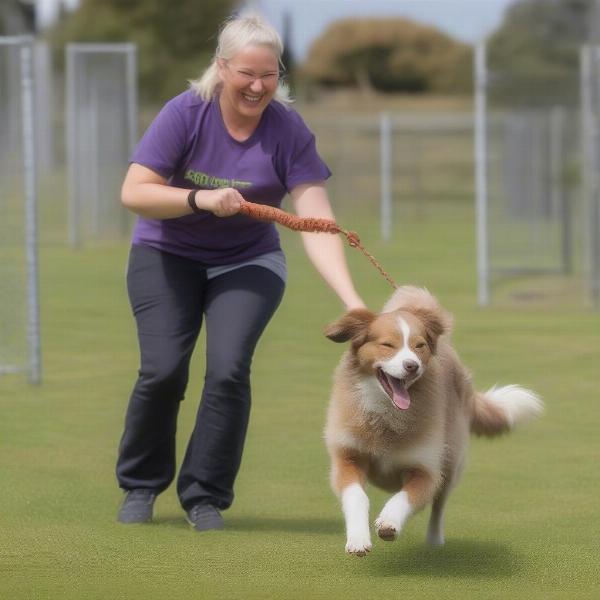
390,55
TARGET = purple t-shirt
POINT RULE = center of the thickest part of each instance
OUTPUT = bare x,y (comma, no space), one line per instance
188,144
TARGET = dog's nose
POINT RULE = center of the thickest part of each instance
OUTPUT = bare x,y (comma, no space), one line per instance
410,365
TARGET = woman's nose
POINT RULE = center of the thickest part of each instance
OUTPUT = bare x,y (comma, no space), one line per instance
257,85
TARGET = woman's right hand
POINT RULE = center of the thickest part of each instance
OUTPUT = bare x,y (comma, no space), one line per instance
223,202
148,194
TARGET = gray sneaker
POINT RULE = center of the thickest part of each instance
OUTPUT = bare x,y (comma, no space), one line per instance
137,506
204,517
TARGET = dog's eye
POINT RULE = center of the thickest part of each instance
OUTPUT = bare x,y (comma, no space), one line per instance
420,345
388,344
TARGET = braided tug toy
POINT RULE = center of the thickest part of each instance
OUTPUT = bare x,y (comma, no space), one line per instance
263,212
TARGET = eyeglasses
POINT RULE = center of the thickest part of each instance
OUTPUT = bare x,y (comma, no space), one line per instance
250,77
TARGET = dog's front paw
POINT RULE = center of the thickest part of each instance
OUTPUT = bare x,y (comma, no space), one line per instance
386,530
358,545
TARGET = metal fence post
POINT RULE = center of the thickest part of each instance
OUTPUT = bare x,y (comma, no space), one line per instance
29,161
24,48
481,198
590,133
386,216
70,102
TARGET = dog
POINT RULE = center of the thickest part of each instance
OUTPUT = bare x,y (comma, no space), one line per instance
401,413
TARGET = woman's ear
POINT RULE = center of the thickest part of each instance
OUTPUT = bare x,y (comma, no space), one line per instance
352,326
220,66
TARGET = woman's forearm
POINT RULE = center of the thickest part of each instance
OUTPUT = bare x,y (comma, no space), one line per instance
147,194
326,251
156,200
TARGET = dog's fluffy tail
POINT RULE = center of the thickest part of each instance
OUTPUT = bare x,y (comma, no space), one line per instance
500,409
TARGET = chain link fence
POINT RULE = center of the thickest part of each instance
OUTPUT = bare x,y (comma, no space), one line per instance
537,227
532,215
101,124
396,165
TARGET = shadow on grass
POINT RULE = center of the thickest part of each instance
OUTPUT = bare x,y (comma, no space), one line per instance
457,558
263,524
290,525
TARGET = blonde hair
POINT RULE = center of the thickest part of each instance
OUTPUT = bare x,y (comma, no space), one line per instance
236,34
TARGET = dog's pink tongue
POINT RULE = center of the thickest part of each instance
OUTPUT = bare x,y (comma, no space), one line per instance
401,398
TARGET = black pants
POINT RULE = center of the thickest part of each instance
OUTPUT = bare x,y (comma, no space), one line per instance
169,296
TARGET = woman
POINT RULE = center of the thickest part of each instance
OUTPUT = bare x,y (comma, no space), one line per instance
231,136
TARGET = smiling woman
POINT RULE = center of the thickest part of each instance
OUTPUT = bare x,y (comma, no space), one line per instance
197,257
245,74
249,82
237,37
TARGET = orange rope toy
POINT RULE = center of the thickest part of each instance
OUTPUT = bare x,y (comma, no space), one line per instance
263,212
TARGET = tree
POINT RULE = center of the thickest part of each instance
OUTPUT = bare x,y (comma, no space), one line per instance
534,56
287,58
175,42
16,17
389,55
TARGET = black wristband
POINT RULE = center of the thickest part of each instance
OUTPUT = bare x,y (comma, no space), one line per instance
192,202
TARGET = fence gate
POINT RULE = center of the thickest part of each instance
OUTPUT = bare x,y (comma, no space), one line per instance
529,218
101,118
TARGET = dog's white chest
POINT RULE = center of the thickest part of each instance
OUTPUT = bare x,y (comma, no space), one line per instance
428,455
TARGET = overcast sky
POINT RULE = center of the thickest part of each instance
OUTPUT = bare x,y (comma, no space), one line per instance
467,20
46,11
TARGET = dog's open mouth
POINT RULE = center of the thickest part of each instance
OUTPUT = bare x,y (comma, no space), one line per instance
395,389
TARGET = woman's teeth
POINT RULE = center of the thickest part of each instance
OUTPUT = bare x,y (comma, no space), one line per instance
251,98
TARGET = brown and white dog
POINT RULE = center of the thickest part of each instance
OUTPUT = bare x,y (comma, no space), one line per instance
401,412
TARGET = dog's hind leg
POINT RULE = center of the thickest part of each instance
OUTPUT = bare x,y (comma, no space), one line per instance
435,530
415,494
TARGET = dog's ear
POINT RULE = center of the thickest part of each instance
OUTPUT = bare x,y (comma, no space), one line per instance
436,324
352,326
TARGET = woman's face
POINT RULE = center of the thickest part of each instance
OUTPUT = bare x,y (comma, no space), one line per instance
250,80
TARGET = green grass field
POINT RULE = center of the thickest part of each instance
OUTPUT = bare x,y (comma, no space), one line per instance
522,524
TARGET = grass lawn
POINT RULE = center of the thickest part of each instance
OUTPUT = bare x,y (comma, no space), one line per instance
522,524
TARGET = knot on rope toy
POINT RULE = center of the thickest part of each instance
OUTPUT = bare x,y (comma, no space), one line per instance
353,239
